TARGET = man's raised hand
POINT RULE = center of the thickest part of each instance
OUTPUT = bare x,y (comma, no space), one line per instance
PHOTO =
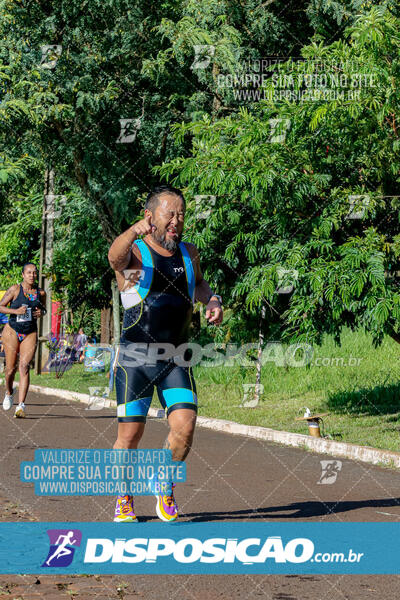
144,226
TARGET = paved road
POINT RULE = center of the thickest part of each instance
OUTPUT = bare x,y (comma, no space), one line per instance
229,478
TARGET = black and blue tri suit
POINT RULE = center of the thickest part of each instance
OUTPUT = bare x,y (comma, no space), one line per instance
158,310
25,324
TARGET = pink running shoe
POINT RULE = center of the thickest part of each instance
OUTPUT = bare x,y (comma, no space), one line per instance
124,510
166,507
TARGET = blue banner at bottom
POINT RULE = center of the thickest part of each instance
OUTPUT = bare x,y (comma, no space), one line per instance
204,548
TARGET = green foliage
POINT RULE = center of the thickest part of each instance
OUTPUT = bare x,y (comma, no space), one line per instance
284,204
281,219
18,239
80,270
108,61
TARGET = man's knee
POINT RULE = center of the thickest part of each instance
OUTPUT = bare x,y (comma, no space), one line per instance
130,436
183,429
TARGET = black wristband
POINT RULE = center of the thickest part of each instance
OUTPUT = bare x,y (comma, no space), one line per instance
219,299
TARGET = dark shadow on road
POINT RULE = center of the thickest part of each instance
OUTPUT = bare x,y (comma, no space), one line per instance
297,510
52,416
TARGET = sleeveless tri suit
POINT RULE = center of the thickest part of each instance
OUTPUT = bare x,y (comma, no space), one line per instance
25,324
158,312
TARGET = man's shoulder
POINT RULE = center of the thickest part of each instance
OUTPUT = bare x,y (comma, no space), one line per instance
191,248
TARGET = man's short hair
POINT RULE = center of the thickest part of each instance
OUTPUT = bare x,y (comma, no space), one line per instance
153,197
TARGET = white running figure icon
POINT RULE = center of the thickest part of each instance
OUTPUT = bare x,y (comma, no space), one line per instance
62,550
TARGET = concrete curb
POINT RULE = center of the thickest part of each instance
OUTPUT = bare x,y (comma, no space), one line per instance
322,445
338,449
84,398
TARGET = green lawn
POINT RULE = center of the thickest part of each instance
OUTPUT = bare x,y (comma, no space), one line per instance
75,380
357,384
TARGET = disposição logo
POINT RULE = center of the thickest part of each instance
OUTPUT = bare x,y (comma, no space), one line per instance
63,543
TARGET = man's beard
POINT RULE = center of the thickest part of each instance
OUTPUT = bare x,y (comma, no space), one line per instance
170,245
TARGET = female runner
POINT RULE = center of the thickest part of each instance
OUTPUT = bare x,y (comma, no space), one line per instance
26,304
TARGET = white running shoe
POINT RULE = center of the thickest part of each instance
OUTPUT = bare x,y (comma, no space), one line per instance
8,400
20,411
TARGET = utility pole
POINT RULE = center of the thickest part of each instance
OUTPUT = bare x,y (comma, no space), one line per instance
258,387
46,255
115,305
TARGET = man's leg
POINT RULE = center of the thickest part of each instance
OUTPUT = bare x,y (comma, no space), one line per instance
177,394
134,394
182,424
129,435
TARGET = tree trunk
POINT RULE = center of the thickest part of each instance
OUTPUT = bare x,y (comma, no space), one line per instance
105,326
46,256
216,97
82,315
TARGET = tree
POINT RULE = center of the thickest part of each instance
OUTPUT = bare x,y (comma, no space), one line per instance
305,190
80,271
92,91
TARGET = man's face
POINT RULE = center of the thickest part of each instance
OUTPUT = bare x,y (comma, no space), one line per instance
169,218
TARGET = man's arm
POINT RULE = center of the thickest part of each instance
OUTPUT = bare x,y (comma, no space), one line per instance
120,252
203,292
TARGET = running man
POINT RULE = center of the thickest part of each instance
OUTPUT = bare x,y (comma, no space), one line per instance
27,304
159,278
63,541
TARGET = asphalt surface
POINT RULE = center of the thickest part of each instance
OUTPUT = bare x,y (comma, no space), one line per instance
229,478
